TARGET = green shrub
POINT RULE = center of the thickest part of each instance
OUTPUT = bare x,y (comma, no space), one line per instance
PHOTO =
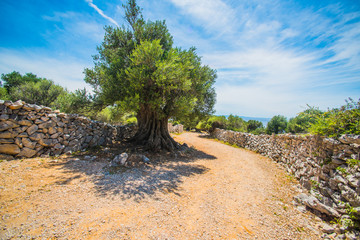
338,121
277,124
302,122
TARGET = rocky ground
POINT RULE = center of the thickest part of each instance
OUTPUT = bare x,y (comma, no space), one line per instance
214,192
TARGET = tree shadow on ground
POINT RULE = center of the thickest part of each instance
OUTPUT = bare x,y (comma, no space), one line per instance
165,173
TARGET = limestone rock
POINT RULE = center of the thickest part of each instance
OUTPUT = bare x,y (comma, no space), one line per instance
56,135
32,129
47,142
25,122
16,105
52,130
47,124
31,107
8,134
18,142
352,235
59,146
350,195
314,203
353,181
4,117
7,125
29,144
27,152
6,157
23,135
350,138
37,136
6,140
11,149
120,159
327,228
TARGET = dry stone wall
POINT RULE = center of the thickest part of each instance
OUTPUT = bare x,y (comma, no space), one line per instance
29,130
327,167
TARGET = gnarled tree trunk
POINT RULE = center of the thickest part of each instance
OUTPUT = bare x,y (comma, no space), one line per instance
153,131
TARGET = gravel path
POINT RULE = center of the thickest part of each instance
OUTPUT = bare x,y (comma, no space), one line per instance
221,193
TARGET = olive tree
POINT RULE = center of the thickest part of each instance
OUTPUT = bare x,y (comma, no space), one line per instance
138,68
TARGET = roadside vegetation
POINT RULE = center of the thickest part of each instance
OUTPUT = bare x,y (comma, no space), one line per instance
332,123
33,89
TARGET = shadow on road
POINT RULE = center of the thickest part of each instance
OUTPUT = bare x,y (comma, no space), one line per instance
165,173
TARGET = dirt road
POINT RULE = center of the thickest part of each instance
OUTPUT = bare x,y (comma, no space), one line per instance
221,193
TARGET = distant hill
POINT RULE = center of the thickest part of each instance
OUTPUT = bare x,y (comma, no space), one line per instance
263,120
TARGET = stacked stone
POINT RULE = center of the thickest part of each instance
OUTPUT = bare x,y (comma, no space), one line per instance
125,132
328,167
28,130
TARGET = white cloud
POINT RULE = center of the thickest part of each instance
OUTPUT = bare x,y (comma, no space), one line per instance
214,15
275,63
65,71
91,4
267,67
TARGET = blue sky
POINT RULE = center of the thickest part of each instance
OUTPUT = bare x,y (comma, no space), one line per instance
272,57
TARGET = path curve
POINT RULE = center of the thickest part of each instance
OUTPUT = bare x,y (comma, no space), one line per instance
227,193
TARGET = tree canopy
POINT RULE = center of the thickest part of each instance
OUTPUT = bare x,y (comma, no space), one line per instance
138,68
30,88
277,124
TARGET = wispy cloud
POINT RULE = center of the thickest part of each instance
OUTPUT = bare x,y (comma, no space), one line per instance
101,12
275,62
212,14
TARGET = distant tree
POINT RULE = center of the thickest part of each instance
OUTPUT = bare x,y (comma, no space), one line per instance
236,123
42,92
252,125
302,122
277,124
139,68
258,131
15,79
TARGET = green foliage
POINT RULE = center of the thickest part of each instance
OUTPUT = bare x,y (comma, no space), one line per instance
232,122
15,79
353,162
43,92
116,115
138,68
277,124
303,120
80,102
338,121
253,125
30,88
216,122
3,94
343,171
236,123
259,131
